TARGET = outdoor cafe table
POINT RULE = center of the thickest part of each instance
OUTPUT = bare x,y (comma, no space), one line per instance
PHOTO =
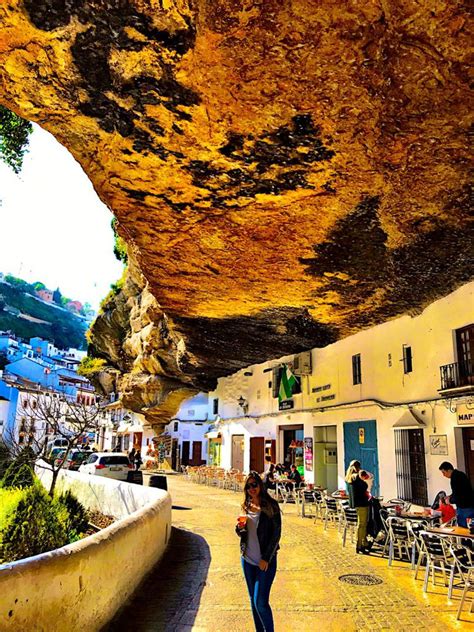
412,515
457,532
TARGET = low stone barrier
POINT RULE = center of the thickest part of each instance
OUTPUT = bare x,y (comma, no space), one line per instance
82,585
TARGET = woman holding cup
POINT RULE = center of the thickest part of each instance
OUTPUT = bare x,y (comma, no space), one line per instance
259,528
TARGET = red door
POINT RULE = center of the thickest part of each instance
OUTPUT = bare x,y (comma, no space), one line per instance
257,453
197,452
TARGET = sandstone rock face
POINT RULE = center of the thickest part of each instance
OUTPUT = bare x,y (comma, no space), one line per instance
285,172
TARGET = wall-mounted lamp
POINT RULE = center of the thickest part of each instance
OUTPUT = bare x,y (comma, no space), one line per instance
243,403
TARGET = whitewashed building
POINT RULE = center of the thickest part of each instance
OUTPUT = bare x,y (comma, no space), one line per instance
399,397
187,431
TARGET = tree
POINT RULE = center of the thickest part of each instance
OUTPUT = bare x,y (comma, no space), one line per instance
120,247
47,416
39,286
14,138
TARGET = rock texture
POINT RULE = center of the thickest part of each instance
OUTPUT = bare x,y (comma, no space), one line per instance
285,172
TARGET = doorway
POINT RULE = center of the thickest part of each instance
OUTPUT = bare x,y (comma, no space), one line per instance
293,446
238,452
468,445
185,453
360,443
257,451
325,457
197,453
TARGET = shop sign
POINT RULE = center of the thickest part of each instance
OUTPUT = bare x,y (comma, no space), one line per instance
308,454
438,444
465,415
286,404
361,435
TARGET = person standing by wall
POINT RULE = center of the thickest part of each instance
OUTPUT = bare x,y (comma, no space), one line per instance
259,528
359,500
462,495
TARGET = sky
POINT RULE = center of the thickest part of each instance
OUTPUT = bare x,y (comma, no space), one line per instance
53,227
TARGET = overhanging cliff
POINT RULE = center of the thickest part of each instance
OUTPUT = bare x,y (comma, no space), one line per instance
284,172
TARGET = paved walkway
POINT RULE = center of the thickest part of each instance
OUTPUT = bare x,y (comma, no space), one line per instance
199,585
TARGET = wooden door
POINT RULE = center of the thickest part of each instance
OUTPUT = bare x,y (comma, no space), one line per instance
185,453
468,442
238,452
257,453
197,452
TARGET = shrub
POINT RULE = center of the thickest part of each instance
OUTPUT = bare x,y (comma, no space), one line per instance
5,459
77,519
26,457
35,527
24,477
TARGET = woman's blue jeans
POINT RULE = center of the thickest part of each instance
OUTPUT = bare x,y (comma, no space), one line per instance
259,584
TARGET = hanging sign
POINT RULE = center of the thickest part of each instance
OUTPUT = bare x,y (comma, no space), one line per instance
286,404
308,454
465,415
361,435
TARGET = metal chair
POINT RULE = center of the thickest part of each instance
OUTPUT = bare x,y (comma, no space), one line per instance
399,536
437,557
308,503
331,511
349,523
468,585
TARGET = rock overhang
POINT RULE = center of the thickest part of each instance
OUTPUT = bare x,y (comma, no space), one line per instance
284,173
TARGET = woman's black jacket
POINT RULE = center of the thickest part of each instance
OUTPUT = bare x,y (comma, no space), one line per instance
358,493
268,533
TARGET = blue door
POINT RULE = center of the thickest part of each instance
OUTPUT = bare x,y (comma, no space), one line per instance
360,443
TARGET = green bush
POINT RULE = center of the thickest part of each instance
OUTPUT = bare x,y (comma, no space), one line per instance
24,477
77,519
26,457
5,459
37,526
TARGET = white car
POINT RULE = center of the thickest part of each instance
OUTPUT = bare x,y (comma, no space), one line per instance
110,464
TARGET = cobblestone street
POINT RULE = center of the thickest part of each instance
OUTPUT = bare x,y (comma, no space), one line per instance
199,585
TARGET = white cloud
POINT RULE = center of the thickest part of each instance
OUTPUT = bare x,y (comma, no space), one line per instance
53,227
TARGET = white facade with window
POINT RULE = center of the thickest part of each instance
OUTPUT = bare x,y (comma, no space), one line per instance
377,394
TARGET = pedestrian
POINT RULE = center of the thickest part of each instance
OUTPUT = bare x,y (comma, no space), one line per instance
268,462
259,528
462,495
131,456
359,500
138,459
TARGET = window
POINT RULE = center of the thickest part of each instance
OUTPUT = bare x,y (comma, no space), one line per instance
175,426
407,359
356,369
215,406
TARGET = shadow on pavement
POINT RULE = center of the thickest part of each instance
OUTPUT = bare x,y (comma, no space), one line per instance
169,596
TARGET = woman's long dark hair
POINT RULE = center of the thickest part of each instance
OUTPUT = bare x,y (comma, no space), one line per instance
268,505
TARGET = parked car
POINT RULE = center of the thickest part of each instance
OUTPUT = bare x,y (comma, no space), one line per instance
57,443
108,464
76,458
56,453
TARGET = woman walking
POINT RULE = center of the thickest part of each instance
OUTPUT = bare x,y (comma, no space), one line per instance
359,499
259,528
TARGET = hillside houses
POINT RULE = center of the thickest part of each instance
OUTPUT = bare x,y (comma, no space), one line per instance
33,370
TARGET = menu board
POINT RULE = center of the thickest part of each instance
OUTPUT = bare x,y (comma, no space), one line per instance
308,454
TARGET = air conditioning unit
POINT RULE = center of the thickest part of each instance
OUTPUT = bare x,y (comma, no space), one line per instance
302,363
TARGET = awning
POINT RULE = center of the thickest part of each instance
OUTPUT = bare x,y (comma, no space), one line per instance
409,419
213,435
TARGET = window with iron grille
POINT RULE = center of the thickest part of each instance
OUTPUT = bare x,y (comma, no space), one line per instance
407,359
411,466
356,369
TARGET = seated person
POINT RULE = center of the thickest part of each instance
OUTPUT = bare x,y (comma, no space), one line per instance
268,479
279,469
295,477
447,510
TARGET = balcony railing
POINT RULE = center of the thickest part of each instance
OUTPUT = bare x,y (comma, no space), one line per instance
457,375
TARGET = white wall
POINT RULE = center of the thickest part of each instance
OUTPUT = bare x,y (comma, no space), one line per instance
82,585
